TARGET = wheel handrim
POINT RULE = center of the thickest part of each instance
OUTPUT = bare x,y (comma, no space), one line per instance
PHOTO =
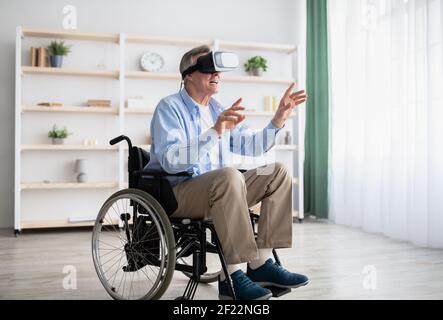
110,256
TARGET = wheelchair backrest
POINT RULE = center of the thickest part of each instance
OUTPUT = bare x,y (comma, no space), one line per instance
138,159
159,188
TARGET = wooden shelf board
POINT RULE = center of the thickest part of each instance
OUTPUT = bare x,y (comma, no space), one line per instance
176,76
251,79
286,147
66,147
143,146
67,185
68,34
71,109
152,75
70,72
264,113
170,41
236,45
41,224
247,113
138,111
114,110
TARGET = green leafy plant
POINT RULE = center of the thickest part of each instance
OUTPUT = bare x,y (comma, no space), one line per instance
256,62
58,48
58,133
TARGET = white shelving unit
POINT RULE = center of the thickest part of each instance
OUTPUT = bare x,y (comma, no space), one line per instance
59,201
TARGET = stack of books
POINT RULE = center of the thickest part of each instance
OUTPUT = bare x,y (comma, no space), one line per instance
99,103
50,104
39,57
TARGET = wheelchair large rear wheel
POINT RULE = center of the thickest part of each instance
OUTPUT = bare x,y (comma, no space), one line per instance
133,246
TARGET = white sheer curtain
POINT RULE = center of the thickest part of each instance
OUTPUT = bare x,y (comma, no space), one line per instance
386,138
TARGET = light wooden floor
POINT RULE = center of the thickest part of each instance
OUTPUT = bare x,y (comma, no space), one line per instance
332,256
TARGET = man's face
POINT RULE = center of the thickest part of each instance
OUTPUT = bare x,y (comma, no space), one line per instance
205,83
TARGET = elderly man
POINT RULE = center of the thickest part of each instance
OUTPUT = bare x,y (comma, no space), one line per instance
193,133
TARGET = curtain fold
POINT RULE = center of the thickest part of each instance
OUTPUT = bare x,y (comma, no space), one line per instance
386,167
317,114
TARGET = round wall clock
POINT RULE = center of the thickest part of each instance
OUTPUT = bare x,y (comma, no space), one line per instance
151,61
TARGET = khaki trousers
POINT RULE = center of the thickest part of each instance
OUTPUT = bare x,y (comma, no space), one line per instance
225,196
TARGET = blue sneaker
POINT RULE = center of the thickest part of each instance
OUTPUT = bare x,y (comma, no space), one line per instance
272,274
244,288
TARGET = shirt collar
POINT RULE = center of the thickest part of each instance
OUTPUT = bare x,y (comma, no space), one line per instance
190,104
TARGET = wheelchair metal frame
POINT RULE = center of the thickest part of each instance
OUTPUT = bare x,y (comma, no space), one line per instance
190,234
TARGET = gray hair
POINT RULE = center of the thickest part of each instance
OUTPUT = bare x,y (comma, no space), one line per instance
188,58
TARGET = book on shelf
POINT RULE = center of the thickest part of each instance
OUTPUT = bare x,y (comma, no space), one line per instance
99,103
42,55
34,56
50,104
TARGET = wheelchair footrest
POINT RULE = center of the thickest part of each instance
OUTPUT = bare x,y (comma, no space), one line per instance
278,292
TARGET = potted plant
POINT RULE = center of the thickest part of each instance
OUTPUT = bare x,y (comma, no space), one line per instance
256,65
56,51
58,135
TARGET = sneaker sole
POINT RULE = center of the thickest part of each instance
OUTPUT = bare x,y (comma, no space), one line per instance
272,284
265,297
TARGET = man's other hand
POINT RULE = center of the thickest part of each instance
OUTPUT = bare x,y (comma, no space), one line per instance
230,118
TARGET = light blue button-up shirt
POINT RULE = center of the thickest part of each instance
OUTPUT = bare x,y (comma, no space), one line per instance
180,146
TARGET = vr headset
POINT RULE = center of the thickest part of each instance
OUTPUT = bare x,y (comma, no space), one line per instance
214,61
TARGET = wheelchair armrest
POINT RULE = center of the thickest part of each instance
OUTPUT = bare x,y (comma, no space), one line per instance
161,174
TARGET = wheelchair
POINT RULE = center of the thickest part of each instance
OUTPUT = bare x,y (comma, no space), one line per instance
137,246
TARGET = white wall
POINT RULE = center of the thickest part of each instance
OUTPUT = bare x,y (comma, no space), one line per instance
279,21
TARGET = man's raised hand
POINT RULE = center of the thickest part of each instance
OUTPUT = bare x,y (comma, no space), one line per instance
287,103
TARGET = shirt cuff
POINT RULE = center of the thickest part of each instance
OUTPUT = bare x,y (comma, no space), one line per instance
272,127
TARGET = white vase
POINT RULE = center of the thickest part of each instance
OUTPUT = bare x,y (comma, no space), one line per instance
80,170
82,177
